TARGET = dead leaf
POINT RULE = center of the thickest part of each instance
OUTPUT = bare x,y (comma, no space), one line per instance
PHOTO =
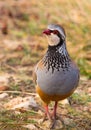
89,90
67,121
2,87
12,45
64,102
3,95
19,48
21,102
30,127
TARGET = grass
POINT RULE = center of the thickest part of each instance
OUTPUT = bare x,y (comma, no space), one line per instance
9,119
77,27
83,99
84,67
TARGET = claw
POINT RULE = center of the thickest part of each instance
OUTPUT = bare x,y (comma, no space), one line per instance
47,115
45,118
52,117
53,124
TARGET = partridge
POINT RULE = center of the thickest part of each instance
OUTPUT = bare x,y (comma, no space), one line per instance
56,75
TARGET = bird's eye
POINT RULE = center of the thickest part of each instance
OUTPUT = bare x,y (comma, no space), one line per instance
55,32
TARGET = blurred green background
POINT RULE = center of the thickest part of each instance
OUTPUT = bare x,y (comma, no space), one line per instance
23,21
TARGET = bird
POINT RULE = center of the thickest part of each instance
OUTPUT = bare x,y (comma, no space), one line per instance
56,74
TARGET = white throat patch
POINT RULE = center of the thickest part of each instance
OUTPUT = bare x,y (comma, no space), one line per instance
53,39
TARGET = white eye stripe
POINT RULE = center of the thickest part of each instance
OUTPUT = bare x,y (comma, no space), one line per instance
61,32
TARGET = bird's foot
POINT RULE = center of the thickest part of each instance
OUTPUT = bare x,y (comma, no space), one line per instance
56,124
56,121
53,123
47,116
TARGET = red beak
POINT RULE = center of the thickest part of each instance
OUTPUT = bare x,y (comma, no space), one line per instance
47,32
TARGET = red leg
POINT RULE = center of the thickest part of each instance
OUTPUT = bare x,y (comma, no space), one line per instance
47,114
54,115
55,109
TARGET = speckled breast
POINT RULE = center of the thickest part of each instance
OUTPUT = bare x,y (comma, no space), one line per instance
58,82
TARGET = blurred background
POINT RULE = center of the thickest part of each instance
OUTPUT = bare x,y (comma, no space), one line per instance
22,43
22,23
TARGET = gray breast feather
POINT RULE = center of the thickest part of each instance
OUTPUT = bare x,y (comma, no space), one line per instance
59,82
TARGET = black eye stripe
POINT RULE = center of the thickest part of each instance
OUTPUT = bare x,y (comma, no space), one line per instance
54,31
51,31
57,33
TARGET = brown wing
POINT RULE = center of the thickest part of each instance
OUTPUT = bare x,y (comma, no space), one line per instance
39,65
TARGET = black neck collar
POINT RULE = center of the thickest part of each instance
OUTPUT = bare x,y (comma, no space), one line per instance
56,46
56,60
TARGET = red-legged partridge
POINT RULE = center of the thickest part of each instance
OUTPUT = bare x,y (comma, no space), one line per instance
56,75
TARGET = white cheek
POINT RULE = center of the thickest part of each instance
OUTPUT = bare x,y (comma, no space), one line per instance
53,39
